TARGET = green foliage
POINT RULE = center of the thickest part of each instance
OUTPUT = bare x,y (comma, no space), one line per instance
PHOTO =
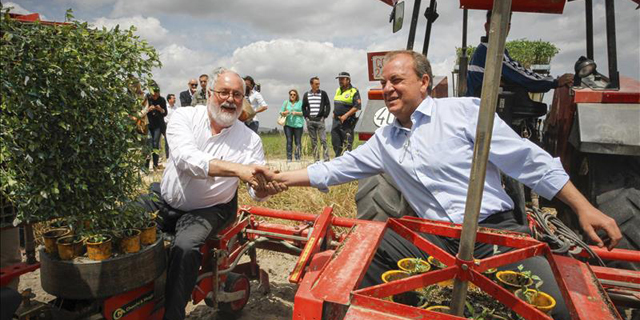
536,281
419,266
525,51
532,52
68,146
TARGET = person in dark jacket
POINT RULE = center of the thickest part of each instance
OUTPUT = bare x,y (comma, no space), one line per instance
512,71
316,108
157,126
187,97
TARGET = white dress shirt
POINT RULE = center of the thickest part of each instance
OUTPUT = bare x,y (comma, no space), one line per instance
431,162
186,184
256,100
170,110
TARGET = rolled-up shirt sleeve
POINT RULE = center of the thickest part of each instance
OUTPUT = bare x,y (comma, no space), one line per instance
360,163
520,158
184,151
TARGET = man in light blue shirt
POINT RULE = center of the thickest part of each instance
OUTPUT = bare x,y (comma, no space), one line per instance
428,152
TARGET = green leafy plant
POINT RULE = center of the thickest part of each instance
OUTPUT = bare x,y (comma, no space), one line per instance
419,266
97,238
527,52
68,146
529,278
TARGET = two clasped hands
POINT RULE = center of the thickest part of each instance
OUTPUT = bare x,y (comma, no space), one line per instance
263,180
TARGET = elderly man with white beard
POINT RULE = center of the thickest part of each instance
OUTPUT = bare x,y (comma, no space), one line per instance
211,150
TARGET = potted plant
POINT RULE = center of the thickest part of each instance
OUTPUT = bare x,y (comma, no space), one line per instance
99,247
541,300
50,238
414,265
435,263
63,154
70,246
130,241
514,280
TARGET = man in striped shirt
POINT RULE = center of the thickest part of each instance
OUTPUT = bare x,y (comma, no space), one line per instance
316,108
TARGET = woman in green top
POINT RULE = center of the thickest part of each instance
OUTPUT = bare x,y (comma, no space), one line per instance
292,109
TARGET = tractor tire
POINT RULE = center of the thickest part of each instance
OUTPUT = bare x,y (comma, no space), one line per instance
235,282
379,199
614,188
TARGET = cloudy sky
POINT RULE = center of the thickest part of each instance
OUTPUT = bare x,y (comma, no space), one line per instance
284,43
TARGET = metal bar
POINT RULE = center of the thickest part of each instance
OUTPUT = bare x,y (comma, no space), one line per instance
612,54
615,254
276,235
464,59
297,216
497,34
588,9
414,24
431,16
613,274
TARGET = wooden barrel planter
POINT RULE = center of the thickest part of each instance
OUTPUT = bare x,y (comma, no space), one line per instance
87,279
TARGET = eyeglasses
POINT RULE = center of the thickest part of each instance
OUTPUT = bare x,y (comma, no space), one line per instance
224,95
193,84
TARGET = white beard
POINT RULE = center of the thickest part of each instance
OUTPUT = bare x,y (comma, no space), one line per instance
223,118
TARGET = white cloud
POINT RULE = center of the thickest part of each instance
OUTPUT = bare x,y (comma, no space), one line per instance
16,8
148,28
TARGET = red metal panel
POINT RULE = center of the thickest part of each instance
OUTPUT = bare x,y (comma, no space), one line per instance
347,268
585,297
137,304
614,274
316,238
629,92
408,284
10,272
543,6
392,308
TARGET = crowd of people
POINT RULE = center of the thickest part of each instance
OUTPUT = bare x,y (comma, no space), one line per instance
312,108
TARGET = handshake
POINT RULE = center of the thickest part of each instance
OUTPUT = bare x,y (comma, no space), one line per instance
263,180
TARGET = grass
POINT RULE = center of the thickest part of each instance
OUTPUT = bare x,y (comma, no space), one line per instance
275,146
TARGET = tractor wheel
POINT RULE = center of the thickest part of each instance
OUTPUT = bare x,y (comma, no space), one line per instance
378,198
235,282
614,188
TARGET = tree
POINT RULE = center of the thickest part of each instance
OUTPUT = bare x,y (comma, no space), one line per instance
68,146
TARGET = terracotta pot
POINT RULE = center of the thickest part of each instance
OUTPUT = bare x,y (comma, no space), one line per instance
130,241
542,301
148,233
99,250
512,280
414,265
51,236
70,247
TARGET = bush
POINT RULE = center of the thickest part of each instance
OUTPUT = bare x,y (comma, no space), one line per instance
68,146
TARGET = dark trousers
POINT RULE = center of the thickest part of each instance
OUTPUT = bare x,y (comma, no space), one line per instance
393,247
291,133
154,143
192,230
317,132
342,135
253,125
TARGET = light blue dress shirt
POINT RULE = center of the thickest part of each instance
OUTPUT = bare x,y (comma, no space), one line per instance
431,162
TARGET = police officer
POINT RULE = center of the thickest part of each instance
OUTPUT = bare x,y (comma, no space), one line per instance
346,103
